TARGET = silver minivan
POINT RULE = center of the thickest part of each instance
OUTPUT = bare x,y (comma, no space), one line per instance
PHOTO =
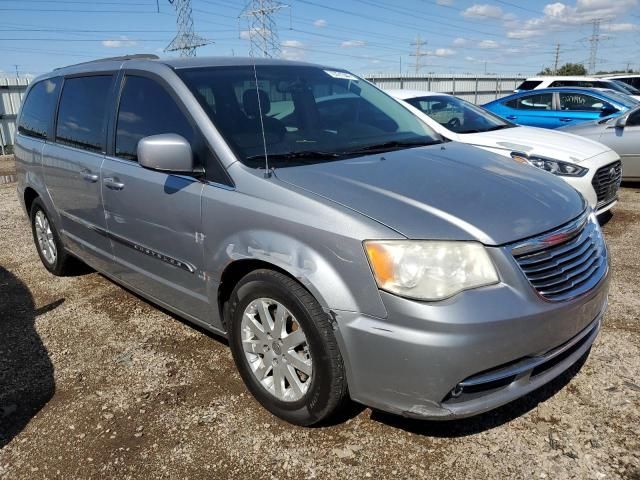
343,248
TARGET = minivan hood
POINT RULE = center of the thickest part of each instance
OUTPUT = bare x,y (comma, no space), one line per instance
538,141
448,191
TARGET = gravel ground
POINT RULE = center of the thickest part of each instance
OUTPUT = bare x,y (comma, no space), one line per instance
96,382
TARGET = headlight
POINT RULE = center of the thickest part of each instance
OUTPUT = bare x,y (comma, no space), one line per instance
429,269
554,166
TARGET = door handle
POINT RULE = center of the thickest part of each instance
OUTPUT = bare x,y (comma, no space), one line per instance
566,119
113,183
88,176
511,117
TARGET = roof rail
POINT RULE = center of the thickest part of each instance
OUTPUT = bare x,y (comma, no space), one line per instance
137,56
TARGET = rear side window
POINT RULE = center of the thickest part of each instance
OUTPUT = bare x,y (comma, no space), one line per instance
81,115
541,101
37,111
146,108
581,102
580,83
528,85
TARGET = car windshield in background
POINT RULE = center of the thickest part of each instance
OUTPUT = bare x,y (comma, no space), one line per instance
622,99
308,114
626,87
458,115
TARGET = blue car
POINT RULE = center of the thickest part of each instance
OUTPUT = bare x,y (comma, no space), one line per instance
558,107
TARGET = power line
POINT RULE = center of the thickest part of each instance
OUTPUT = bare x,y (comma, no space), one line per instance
186,40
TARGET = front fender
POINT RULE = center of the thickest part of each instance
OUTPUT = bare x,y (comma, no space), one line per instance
336,274
313,239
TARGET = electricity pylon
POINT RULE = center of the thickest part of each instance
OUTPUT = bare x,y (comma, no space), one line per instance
186,40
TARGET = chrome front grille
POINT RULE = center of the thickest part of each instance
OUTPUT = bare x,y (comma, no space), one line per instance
606,182
566,262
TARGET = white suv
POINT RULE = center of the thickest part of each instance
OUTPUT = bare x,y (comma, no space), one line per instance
536,83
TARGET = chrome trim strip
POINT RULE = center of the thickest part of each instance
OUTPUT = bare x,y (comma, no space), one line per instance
560,235
528,364
136,246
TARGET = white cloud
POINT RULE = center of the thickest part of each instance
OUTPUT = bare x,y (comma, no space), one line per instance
445,2
483,11
442,52
247,34
620,27
488,44
292,50
320,23
559,15
122,41
459,42
353,43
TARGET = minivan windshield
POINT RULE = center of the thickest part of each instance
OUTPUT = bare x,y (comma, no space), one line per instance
458,115
302,114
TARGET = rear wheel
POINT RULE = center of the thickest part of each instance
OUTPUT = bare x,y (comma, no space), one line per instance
52,253
285,349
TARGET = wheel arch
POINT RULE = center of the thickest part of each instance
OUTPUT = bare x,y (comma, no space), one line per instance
29,196
338,278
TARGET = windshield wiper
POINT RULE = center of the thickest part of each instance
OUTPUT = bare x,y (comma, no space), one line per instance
498,127
310,155
392,145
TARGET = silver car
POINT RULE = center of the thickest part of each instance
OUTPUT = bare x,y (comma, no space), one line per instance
621,134
345,250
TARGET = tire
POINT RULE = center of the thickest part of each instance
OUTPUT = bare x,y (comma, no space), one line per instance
60,265
307,404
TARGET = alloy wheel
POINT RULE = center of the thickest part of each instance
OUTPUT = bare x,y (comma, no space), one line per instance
276,349
45,238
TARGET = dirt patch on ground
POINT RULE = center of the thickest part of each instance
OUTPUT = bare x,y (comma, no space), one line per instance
99,383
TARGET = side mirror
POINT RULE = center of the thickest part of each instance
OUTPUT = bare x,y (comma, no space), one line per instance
607,110
621,121
167,152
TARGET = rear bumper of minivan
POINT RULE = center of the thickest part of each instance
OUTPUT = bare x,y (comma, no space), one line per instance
467,355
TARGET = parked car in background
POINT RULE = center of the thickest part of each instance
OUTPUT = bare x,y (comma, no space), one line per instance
578,161
629,79
364,256
555,107
622,134
537,83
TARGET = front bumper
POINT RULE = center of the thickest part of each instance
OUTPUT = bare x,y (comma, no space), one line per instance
431,360
585,184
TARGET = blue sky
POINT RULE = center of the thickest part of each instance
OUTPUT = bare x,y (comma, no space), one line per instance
362,35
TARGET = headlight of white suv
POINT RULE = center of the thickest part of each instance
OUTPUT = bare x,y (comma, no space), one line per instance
556,167
429,269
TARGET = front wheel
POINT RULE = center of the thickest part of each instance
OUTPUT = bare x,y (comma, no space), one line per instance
284,347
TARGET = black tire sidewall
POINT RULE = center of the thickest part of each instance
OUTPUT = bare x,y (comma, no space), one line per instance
311,407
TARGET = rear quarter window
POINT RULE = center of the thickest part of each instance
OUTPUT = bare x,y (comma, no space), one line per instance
528,85
37,111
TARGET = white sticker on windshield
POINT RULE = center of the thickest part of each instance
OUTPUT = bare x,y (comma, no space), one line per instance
342,75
